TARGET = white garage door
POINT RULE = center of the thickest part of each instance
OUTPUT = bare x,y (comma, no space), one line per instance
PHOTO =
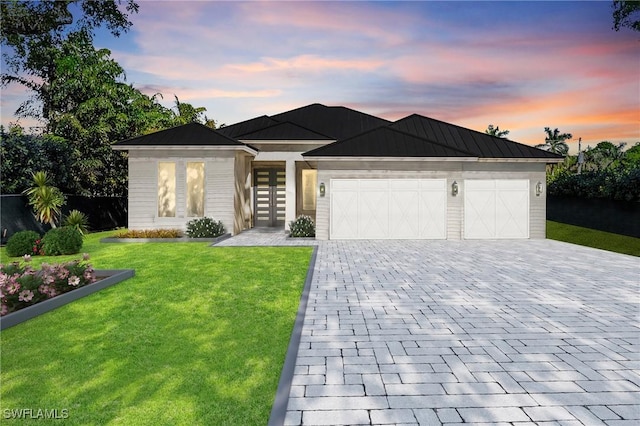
496,209
388,209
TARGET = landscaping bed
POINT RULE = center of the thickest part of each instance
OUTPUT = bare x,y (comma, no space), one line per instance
197,336
104,278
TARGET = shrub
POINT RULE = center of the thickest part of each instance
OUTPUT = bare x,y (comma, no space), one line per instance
77,219
149,233
204,227
21,285
65,240
22,243
303,226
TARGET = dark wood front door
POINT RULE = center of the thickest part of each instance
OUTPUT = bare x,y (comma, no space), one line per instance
269,197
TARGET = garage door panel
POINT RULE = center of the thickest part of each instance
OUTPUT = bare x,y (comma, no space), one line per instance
373,213
479,214
433,211
496,209
344,217
388,208
406,217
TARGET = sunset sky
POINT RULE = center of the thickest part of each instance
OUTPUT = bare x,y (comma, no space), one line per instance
519,65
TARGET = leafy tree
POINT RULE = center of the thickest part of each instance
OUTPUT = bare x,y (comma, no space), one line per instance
495,131
604,155
555,141
23,154
626,13
36,31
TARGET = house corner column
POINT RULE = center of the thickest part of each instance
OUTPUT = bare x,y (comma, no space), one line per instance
290,176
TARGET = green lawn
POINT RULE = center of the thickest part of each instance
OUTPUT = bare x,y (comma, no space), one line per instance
197,337
593,238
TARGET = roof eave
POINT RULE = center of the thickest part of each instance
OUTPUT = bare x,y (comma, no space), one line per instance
245,148
365,158
520,160
287,141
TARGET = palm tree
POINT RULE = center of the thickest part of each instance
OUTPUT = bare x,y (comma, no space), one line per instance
495,131
46,200
555,141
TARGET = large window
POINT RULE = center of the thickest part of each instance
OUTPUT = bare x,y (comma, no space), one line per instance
166,189
195,189
309,184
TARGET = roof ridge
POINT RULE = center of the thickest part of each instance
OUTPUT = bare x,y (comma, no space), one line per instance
427,140
279,123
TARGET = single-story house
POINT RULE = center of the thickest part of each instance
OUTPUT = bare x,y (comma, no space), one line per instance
358,176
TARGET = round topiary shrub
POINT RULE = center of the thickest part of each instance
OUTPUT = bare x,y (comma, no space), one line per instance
65,240
204,227
22,243
303,226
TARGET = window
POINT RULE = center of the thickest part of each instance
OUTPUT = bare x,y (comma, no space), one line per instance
309,184
166,189
195,189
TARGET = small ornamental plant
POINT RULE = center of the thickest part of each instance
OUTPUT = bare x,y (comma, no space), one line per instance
204,227
22,286
303,226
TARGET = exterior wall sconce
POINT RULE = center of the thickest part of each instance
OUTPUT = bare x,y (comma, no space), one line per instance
323,189
538,189
454,188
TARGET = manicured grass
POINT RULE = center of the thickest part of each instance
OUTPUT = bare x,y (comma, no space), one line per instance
593,238
198,336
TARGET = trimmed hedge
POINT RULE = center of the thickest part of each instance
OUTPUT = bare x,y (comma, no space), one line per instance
22,243
65,240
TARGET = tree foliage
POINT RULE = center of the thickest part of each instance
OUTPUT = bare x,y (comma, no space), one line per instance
495,131
79,93
23,155
609,172
626,13
555,141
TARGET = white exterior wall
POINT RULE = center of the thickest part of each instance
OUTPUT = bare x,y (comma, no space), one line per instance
451,171
143,188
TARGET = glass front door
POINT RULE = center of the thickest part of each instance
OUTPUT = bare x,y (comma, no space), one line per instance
269,195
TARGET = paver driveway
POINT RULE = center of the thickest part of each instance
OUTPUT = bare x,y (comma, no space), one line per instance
445,332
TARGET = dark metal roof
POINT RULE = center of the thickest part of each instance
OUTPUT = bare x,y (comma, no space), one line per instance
387,142
188,134
331,122
277,131
480,144
248,126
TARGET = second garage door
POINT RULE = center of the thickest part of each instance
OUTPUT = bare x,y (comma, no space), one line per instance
388,209
496,209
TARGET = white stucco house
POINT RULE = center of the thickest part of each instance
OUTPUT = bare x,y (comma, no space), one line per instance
357,175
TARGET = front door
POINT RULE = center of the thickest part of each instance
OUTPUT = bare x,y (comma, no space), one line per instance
269,195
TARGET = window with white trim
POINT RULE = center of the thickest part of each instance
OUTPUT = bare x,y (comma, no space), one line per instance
195,189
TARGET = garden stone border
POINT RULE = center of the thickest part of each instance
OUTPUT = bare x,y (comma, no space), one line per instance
279,408
113,276
166,240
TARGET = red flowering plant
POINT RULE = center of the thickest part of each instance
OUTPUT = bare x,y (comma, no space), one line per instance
22,286
38,249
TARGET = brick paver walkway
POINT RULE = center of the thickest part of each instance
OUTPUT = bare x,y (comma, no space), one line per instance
534,332
473,332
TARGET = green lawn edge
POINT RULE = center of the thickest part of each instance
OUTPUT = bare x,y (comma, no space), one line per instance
593,238
198,336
